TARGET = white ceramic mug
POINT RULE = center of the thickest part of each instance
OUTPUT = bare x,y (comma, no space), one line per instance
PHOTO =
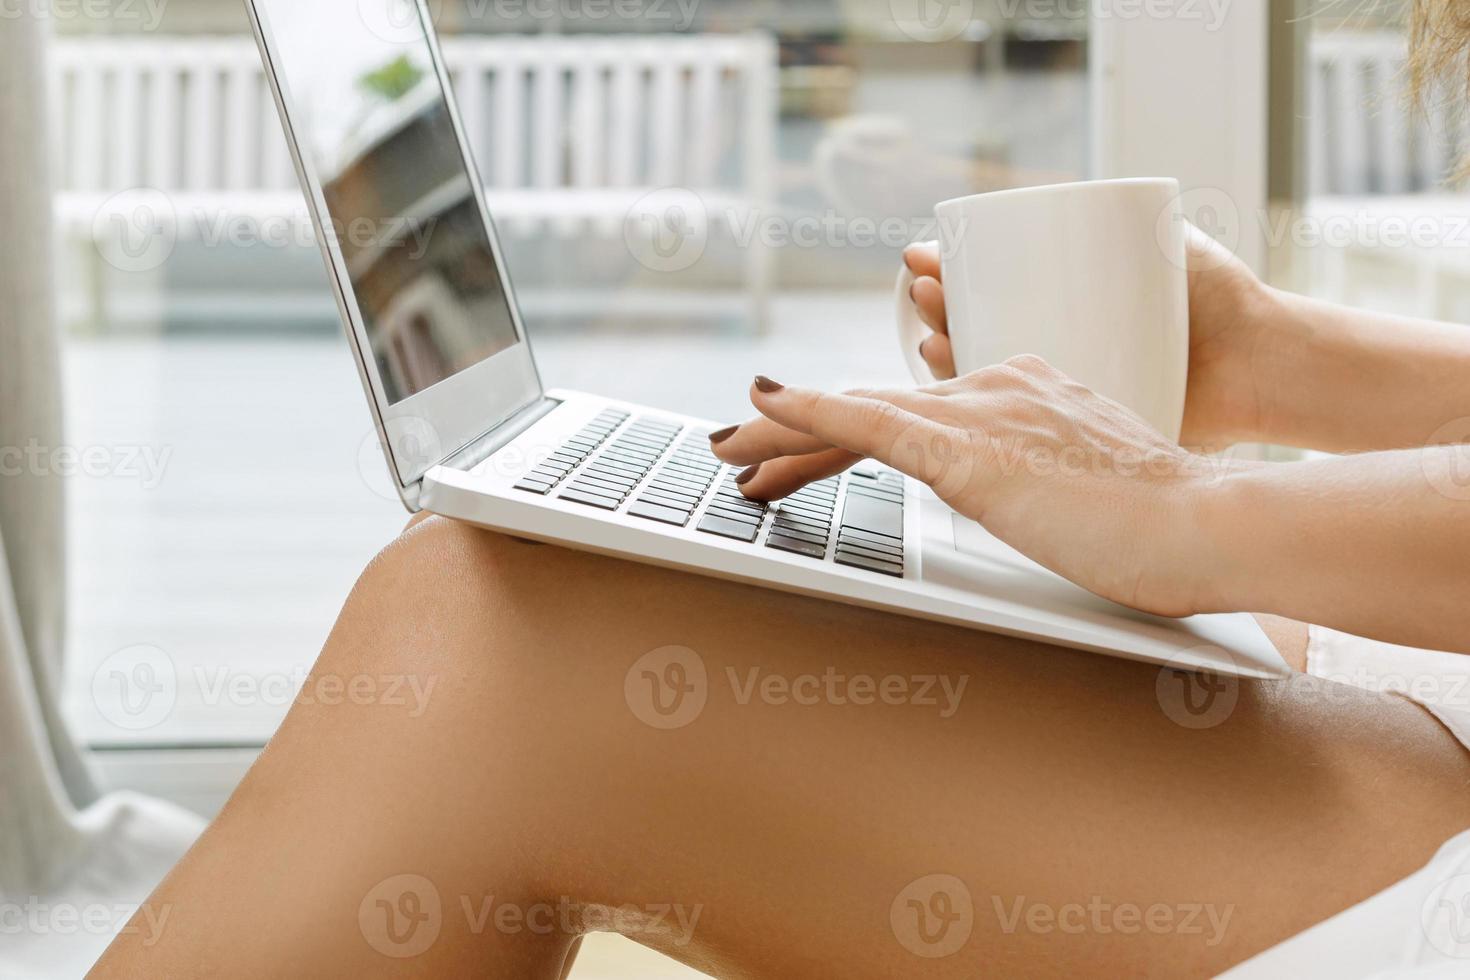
1088,275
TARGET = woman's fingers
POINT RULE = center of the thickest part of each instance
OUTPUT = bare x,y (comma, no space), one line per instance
782,477
928,297
922,258
761,439
872,425
939,355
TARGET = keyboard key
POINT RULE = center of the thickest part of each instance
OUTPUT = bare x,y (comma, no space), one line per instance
658,512
736,507
806,513
704,477
846,546
801,534
592,485
636,456
797,520
872,564
723,526
609,475
878,493
892,549
681,479
857,534
824,490
671,490
642,442
672,500
744,516
534,485
595,500
796,546
872,514
618,466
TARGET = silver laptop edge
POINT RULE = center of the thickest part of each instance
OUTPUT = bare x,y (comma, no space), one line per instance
461,423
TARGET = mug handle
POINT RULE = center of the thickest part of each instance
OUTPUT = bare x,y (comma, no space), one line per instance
911,330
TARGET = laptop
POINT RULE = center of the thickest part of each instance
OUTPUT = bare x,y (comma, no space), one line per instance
469,430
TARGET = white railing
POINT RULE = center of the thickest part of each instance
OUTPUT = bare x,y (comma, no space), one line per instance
1364,135
1385,229
568,132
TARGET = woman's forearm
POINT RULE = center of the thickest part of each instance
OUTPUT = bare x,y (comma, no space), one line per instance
1376,544
1345,380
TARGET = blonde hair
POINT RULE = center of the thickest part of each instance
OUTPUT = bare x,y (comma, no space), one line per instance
1439,56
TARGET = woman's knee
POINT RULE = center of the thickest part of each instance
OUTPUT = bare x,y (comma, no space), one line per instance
440,571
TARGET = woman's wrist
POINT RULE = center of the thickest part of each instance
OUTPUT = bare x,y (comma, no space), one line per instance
1282,367
1226,571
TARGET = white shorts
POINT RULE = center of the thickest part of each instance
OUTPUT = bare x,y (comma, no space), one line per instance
1418,927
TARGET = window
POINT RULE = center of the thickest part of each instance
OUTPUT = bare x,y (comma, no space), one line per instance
1364,212
688,193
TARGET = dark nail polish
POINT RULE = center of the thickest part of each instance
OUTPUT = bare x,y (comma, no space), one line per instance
723,434
748,474
765,384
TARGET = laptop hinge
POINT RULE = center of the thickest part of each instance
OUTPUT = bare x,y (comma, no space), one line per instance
501,436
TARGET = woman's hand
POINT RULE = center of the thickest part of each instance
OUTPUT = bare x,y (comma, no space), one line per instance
1073,480
1227,305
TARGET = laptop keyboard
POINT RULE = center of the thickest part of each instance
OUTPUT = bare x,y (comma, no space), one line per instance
667,474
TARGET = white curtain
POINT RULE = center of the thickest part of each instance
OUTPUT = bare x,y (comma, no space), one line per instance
71,863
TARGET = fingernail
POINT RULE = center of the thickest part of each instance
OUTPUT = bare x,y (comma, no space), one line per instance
747,474
723,434
921,346
763,383
911,292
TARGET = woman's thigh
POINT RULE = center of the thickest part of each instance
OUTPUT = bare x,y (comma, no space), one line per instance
768,785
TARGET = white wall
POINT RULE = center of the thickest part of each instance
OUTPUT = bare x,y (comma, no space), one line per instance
1179,89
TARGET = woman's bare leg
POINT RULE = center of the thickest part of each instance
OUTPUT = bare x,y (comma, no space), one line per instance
1048,817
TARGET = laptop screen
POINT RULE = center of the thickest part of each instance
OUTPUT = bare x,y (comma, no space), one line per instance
371,114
